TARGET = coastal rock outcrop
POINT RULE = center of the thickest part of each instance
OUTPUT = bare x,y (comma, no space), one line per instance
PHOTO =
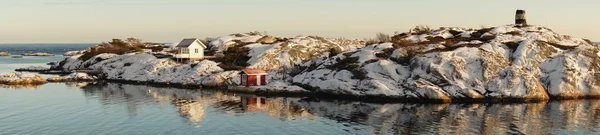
5,54
73,53
32,69
38,54
18,78
505,62
73,77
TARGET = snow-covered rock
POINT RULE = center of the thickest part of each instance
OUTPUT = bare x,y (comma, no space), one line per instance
73,77
529,63
73,62
269,52
19,78
33,68
73,53
38,54
147,68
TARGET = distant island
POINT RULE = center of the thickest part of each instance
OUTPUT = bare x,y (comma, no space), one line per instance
5,54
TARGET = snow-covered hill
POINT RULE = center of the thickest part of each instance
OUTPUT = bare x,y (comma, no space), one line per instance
270,52
505,62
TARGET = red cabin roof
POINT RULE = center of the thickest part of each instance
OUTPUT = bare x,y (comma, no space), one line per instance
254,72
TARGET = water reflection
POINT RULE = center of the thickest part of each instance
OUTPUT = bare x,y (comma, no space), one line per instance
565,117
191,104
21,87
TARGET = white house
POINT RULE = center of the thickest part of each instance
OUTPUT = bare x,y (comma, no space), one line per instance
190,48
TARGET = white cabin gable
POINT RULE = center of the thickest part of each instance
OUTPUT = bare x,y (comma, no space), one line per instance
195,50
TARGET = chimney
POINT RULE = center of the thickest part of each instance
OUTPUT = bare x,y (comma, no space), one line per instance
520,19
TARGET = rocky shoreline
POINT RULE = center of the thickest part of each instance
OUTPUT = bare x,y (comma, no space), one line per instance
260,91
336,96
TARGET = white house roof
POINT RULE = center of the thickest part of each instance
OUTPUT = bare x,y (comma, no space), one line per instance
189,41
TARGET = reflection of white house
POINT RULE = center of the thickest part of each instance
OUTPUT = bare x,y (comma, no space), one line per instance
190,48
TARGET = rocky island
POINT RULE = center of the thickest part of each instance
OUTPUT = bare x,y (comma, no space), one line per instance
17,78
511,62
37,54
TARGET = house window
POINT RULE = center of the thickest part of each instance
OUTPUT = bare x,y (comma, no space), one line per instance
185,51
196,50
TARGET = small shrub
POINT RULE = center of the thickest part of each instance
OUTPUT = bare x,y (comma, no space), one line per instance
421,29
335,51
382,37
234,57
397,37
371,42
254,33
359,74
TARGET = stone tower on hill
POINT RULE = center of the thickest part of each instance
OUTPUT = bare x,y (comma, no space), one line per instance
520,18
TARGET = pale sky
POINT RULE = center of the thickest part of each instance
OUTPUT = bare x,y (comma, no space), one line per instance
93,21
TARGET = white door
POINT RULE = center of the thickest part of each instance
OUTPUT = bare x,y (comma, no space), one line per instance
244,79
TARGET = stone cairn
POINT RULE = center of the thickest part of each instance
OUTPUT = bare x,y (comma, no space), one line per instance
520,19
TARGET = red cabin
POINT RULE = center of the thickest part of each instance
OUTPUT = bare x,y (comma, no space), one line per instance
254,77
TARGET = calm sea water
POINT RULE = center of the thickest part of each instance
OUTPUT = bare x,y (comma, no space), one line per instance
111,108
58,49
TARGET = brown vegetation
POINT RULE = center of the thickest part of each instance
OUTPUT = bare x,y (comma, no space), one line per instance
382,37
234,58
116,46
335,51
421,29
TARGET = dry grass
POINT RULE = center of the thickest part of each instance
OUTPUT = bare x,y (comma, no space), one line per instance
421,29
116,46
382,37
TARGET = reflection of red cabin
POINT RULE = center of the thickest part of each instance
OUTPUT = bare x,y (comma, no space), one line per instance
254,77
